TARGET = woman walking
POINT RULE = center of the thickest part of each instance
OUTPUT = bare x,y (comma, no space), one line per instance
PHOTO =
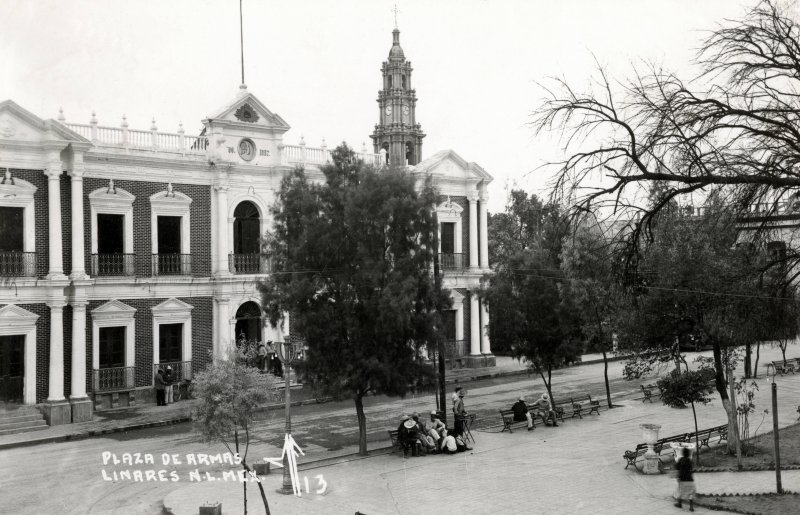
685,481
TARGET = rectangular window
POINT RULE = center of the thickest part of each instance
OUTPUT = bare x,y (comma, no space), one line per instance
170,342
11,229
449,320
448,242
110,234
112,347
169,235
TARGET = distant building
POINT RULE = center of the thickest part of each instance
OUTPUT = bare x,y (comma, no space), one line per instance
123,251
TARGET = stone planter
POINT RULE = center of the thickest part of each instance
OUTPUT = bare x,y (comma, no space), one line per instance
652,465
211,509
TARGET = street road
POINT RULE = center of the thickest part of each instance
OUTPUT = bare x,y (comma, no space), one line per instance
67,477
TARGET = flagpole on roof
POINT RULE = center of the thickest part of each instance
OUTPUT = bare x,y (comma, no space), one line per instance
241,37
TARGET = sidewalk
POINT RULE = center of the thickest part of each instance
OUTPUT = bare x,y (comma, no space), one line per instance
577,468
150,415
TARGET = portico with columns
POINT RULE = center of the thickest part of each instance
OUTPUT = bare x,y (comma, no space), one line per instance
463,252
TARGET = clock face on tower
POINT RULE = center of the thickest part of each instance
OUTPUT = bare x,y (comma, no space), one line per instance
388,110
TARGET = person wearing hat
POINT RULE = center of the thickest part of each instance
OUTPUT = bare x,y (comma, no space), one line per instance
159,384
521,413
428,439
459,412
544,407
407,435
169,380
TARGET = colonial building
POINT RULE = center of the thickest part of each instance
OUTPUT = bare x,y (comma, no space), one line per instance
123,250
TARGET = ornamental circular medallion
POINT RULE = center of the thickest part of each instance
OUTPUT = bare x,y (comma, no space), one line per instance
247,149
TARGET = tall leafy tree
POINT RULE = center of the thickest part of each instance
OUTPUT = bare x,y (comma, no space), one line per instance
688,387
353,255
524,291
587,260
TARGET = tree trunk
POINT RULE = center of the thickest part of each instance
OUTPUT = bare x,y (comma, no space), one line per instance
362,425
748,356
605,376
546,381
244,485
722,389
696,437
758,356
247,470
783,346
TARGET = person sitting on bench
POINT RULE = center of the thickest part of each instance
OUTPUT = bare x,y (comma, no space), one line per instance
545,409
521,413
407,436
437,426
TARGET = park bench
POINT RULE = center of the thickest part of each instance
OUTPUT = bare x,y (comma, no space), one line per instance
647,390
583,402
631,456
508,419
705,435
779,366
393,436
798,412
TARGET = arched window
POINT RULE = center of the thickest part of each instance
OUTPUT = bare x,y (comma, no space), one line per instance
248,322
410,159
246,230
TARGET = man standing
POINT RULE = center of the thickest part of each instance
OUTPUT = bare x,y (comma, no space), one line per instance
521,413
169,380
160,387
459,412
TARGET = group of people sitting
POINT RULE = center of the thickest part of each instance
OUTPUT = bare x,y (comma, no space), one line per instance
542,407
420,437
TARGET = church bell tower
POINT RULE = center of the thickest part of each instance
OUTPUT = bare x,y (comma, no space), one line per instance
397,131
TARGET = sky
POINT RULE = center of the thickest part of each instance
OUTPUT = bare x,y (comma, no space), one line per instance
479,65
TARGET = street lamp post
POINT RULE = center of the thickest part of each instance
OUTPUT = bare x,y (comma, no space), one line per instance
287,352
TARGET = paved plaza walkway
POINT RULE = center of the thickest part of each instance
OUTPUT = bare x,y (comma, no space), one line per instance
576,468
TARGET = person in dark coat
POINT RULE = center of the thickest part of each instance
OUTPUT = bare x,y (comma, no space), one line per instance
685,480
169,381
160,388
521,413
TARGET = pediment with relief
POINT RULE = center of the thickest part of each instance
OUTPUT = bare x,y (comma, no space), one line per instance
247,110
19,124
449,164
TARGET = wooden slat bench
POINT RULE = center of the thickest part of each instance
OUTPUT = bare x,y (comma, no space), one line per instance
648,390
508,420
583,402
705,435
632,456
779,366
393,436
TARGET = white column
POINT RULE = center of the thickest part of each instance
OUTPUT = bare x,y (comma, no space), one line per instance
486,348
53,173
473,232
223,327
56,367
474,324
484,225
222,229
78,376
76,201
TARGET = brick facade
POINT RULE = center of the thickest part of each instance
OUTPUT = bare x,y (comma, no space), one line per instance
39,179
199,214
202,335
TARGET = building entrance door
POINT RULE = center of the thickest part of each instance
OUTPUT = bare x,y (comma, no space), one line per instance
11,368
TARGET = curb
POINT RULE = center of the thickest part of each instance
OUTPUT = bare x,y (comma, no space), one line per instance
146,425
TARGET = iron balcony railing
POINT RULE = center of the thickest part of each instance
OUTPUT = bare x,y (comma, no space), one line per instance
113,379
181,370
112,265
172,264
450,261
17,264
249,263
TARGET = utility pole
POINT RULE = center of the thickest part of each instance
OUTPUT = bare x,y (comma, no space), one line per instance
442,398
775,436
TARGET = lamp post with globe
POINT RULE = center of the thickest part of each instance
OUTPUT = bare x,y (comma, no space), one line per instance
287,353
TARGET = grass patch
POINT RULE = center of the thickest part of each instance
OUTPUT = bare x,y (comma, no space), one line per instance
768,504
760,451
